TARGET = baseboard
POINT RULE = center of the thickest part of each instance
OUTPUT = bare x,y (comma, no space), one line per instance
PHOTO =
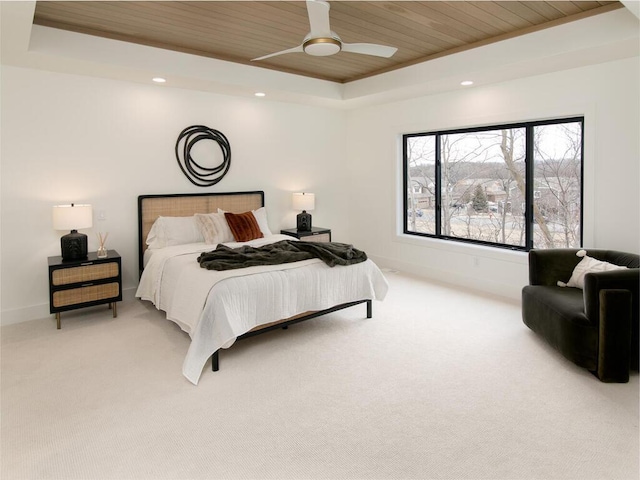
34,312
509,292
19,315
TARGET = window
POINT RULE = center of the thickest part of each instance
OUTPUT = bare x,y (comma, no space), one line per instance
513,186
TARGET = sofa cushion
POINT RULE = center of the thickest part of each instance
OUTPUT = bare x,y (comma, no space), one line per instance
557,314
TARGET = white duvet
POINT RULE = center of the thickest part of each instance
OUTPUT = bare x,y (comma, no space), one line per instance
216,307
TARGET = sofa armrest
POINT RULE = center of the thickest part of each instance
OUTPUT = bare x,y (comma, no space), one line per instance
548,266
594,283
614,336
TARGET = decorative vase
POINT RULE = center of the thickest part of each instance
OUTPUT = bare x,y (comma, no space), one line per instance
102,250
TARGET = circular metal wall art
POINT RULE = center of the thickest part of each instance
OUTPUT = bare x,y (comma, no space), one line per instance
198,174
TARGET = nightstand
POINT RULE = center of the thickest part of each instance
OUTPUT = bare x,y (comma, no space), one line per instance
84,283
317,234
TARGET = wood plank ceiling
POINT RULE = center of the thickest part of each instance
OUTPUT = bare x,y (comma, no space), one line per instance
238,31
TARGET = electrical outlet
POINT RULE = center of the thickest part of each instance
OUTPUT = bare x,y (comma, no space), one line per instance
102,215
476,262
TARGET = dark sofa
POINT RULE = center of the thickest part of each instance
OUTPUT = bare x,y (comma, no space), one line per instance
596,328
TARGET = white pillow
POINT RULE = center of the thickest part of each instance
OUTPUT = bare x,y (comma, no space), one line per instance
154,239
214,228
587,265
261,217
169,231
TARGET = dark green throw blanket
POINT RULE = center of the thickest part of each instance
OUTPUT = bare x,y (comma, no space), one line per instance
285,251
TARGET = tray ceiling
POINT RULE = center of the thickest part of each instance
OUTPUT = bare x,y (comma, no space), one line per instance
238,31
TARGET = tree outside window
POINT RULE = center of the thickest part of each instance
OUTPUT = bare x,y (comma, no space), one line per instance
481,185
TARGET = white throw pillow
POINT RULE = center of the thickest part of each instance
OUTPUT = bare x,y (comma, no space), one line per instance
587,265
214,228
261,217
169,231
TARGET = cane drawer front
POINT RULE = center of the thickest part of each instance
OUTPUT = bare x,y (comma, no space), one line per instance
86,294
85,273
321,238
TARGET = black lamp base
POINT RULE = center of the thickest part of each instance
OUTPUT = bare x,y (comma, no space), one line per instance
303,222
74,246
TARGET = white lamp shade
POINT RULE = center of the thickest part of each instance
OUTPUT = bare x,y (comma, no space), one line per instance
72,217
304,201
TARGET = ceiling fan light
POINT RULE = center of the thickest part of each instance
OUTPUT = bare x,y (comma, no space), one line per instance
322,47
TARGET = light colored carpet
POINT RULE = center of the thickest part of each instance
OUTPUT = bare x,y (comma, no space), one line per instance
440,384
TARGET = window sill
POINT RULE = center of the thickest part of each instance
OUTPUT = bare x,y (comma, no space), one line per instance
483,251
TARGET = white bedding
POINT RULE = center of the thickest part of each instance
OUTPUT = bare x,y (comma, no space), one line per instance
216,307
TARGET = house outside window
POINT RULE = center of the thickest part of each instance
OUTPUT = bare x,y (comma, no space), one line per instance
516,186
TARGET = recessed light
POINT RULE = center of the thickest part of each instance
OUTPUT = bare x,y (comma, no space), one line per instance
260,94
466,83
159,79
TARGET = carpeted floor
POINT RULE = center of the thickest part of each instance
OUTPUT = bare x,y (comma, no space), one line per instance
440,384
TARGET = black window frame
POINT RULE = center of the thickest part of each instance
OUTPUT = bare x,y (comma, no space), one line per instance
529,179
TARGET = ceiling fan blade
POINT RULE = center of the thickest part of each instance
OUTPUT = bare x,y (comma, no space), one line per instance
369,49
318,12
290,50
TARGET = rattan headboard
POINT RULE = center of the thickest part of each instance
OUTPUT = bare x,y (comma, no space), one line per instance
150,207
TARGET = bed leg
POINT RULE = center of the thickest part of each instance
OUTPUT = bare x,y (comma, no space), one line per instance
369,308
215,361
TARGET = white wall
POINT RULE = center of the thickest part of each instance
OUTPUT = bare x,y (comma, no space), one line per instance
607,95
68,138
72,138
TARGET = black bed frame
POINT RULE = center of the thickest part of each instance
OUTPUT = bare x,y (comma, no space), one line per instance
215,358
284,324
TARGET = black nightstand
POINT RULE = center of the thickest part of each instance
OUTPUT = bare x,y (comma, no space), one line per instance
317,234
84,283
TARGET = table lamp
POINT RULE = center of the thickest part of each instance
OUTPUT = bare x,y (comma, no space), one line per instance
304,201
72,217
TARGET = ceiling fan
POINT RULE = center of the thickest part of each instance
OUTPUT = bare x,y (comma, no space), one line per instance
321,41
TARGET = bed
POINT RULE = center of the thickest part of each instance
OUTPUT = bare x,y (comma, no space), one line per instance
216,308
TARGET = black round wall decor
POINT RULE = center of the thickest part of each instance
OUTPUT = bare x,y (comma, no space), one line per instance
196,173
